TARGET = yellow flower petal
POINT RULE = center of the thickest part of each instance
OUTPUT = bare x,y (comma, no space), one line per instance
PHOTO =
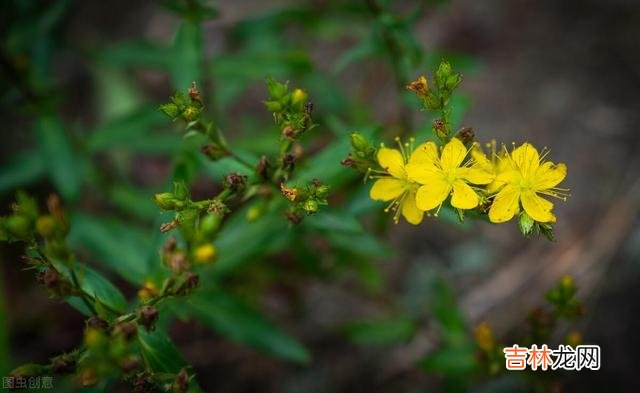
431,196
526,158
536,207
410,211
452,154
549,175
475,175
505,205
463,196
386,189
480,159
391,160
425,152
423,172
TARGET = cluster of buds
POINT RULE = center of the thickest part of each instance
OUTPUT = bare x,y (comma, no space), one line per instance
183,108
446,81
188,108
21,223
291,109
363,154
305,200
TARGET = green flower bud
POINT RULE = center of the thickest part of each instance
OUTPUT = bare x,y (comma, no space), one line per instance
310,206
273,106
322,192
18,226
453,81
432,101
275,88
167,201
210,224
359,142
171,110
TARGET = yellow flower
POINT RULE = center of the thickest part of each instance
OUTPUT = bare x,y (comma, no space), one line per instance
494,164
524,177
395,186
446,174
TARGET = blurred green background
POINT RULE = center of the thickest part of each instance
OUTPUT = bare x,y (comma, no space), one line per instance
345,301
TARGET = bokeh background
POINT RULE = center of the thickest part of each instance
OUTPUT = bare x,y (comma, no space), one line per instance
561,74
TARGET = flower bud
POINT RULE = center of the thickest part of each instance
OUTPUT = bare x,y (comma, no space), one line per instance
210,224
191,113
214,151
180,190
178,262
453,81
205,253
275,88
189,282
126,330
171,110
359,142
148,291
322,191
263,167
148,316
466,135
419,86
18,226
45,226
310,206
181,382
234,181
289,193
97,323
299,97
167,201
484,337
273,106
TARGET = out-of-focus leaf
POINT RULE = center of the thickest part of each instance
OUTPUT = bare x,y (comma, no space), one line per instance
23,169
452,361
363,244
119,246
64,166
365,48
120,131
334,221
134,201
326,165
381,332
94,284
267,233
159,352
136,53
118,96
186,59
235,320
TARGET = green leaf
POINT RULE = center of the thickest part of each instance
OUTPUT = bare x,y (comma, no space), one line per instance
134,201
381,332
94,284
265,235
334,222
121,130
452,361
25,168
64,166
237,321
119,246
159,352
186,59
